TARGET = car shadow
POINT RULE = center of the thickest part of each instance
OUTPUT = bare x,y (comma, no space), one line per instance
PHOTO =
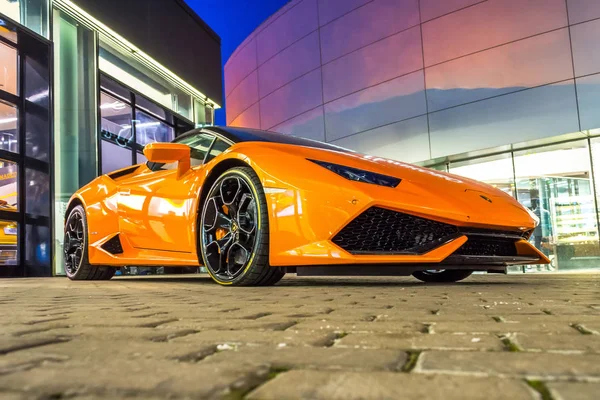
358,281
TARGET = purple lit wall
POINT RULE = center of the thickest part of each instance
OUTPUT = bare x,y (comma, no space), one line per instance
420,79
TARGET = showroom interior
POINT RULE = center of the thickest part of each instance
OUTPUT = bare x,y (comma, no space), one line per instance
503,91
78,98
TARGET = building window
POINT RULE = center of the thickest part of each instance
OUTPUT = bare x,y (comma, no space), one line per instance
129,121
30,13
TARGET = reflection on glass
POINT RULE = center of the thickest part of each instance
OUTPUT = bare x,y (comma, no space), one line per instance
7,30
218,147
555,183
9,232
8,185
114,157
149,129
116,121
37,133
37,191
37,249
496,171
37,79
8,68
8,128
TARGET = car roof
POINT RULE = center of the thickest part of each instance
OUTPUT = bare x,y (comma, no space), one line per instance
239,135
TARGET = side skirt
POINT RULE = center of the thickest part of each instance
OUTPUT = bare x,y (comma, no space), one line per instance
383,270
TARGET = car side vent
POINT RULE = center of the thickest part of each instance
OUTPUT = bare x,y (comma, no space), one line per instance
113,246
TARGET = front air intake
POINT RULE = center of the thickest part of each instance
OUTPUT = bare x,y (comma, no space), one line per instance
386,232
113,245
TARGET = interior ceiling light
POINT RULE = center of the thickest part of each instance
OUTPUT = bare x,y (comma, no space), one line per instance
87,19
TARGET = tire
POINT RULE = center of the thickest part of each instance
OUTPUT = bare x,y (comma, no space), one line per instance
233,231
444,276
77,265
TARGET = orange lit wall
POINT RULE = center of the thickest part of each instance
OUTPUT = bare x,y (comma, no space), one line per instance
420,79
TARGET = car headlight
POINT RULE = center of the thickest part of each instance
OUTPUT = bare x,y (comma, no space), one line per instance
359,175
10,230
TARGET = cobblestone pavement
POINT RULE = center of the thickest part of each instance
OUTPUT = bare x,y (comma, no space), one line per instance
491,337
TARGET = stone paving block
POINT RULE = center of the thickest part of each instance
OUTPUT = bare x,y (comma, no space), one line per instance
512,364
559,343
562,328
574,391
386,385
421,341
357,326
313,358
259,338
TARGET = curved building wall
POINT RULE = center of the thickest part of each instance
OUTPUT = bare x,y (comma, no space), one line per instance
417,80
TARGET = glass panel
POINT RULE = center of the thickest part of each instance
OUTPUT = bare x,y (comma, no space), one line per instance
500,70
404,141
152,108
367,24
239,65
248,119
124,68
467,31
330,10
8,242
518,117
75,117
295,98
555,183
31,13
308,125
115,121
242,97
37,133
141,159
115,88
583,10
37,249
372,65
8,68
217,148
9,134
7,30
585,39
496,171
199,114
149,129
434,8
37,81
114,157
280,69
286,29
389,102
37,192
8,185
588,96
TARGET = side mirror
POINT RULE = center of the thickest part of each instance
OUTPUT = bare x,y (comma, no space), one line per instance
169,153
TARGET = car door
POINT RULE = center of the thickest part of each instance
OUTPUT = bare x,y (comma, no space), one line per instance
156,208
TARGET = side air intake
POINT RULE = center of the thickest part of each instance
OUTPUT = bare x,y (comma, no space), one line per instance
113,246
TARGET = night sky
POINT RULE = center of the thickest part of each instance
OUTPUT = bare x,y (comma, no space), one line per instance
233,20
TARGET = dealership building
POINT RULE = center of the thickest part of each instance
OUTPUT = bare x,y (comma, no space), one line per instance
503,91
84,85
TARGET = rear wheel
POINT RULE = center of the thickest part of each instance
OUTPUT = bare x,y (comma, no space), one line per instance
234,231
77,265
444,275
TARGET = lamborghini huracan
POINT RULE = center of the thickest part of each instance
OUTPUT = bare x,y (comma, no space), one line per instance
251,206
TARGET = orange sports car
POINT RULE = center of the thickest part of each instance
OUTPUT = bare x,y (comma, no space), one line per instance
251,206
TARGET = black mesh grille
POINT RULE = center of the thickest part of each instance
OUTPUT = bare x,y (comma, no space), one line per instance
113,245
382,231
484,246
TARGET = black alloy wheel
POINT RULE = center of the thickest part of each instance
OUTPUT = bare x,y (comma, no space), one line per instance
234,231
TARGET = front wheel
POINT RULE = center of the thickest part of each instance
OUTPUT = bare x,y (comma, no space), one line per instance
234,231
442,276
77,265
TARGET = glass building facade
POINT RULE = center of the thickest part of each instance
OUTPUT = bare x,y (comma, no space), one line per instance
78,99
503,91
